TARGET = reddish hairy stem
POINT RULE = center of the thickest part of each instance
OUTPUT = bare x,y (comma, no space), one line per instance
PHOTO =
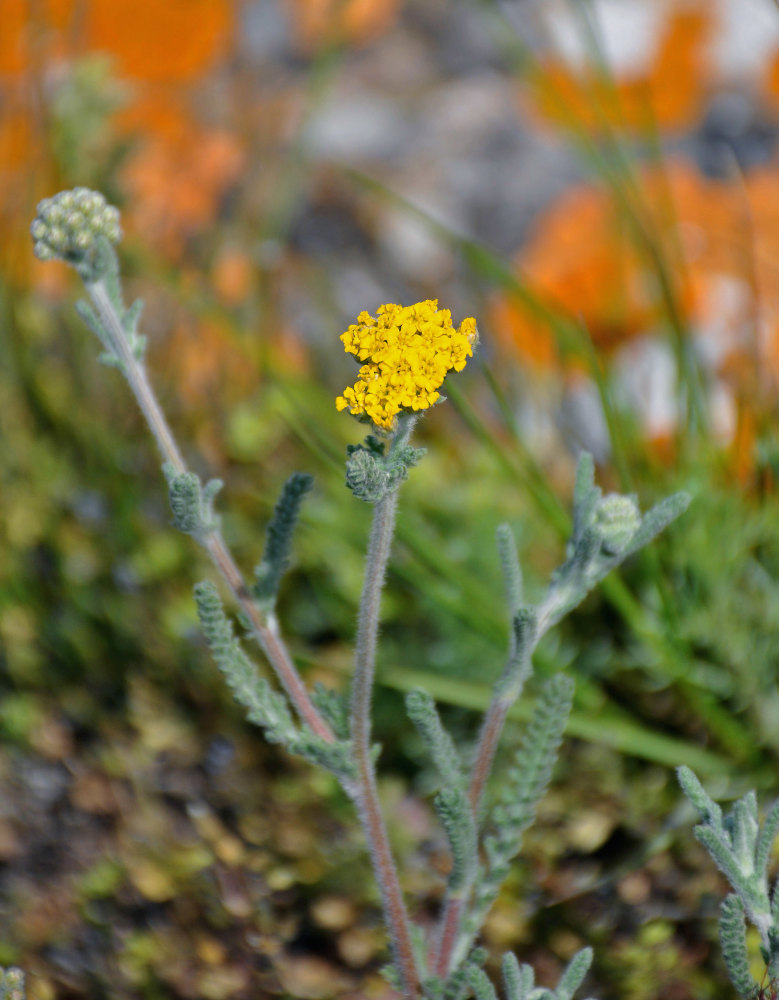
453,907
488,744
271,644
450,919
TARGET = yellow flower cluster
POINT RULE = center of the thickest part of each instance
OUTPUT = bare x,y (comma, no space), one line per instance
407,352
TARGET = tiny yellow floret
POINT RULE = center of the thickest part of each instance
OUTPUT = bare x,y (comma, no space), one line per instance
406,353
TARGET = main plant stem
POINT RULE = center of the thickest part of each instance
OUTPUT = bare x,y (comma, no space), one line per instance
366,795
269,640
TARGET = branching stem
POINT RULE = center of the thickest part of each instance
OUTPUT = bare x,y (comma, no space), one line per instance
136,376
454,906
366,793
492,727
270,642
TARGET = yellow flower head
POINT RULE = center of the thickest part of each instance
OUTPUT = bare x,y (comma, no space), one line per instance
407,352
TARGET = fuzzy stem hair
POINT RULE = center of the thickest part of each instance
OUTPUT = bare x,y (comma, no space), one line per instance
366,795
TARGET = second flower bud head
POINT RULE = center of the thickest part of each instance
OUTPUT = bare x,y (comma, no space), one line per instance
618,518
69,224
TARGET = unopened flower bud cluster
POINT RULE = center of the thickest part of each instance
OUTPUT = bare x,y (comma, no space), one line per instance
618,519
68,225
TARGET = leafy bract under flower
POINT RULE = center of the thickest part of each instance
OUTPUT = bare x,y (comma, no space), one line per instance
407,352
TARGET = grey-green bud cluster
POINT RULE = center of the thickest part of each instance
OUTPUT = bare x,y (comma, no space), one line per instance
618,519
69,224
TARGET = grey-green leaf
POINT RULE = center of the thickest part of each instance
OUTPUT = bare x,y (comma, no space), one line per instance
481,985
733,941
574,974
657,519
509,564
454,811
264,706
278,539
422,711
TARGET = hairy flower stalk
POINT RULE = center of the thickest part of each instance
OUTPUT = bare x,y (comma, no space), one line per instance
367,796
366,793
408,352
270,642
78,227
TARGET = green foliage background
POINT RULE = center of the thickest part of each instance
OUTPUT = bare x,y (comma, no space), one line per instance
160,826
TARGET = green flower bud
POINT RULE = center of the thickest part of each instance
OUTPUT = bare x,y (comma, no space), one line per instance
82,196
43,251
112,231
617,518
70,225
75,221
82,241
371,473
53,213
57,238
96,203
367,476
